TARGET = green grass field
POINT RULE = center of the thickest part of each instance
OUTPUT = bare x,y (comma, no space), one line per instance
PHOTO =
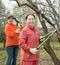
45,59
1,44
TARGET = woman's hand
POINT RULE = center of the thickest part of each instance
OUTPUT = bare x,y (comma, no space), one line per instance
17,31
33,50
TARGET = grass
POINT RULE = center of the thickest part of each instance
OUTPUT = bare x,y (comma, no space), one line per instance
3,56
45,59
1,44
55,44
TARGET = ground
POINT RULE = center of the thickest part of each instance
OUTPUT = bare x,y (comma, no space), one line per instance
45,59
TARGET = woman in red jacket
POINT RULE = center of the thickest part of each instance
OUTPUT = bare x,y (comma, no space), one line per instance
28,42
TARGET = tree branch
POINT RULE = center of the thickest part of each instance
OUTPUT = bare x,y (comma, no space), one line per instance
47,20
30,5
54,11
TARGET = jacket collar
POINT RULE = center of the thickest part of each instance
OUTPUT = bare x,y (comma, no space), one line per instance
32,28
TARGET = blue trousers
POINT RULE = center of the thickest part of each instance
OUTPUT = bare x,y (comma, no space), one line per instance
12,52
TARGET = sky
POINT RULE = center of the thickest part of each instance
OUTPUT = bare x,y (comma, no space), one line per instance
9,5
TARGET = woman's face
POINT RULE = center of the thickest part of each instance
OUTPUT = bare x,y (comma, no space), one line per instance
30,20
10,20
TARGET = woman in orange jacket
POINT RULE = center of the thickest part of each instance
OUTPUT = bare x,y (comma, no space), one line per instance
12,33
28,42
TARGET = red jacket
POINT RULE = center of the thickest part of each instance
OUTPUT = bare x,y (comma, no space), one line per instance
29,38
11,36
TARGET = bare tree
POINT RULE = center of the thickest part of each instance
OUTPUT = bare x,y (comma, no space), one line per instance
2,23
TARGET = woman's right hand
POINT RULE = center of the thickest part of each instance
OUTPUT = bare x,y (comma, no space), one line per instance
33,50
17,31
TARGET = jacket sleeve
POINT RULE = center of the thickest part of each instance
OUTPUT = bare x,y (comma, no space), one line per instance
9,32
23,40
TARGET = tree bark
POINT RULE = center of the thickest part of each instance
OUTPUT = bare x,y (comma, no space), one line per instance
52,54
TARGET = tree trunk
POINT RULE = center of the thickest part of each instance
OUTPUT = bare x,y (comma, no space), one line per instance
52,54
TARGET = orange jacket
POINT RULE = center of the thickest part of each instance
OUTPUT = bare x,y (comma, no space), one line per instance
11,36
29,38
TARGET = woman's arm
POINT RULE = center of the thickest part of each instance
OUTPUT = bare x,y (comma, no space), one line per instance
23,40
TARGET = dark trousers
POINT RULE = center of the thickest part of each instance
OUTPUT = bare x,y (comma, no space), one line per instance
12,52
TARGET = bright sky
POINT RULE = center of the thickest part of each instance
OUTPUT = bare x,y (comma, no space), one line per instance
9,5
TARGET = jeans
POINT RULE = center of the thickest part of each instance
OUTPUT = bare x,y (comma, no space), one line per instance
12,52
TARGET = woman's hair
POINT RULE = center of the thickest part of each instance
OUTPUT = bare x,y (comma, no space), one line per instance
11,16
28,15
